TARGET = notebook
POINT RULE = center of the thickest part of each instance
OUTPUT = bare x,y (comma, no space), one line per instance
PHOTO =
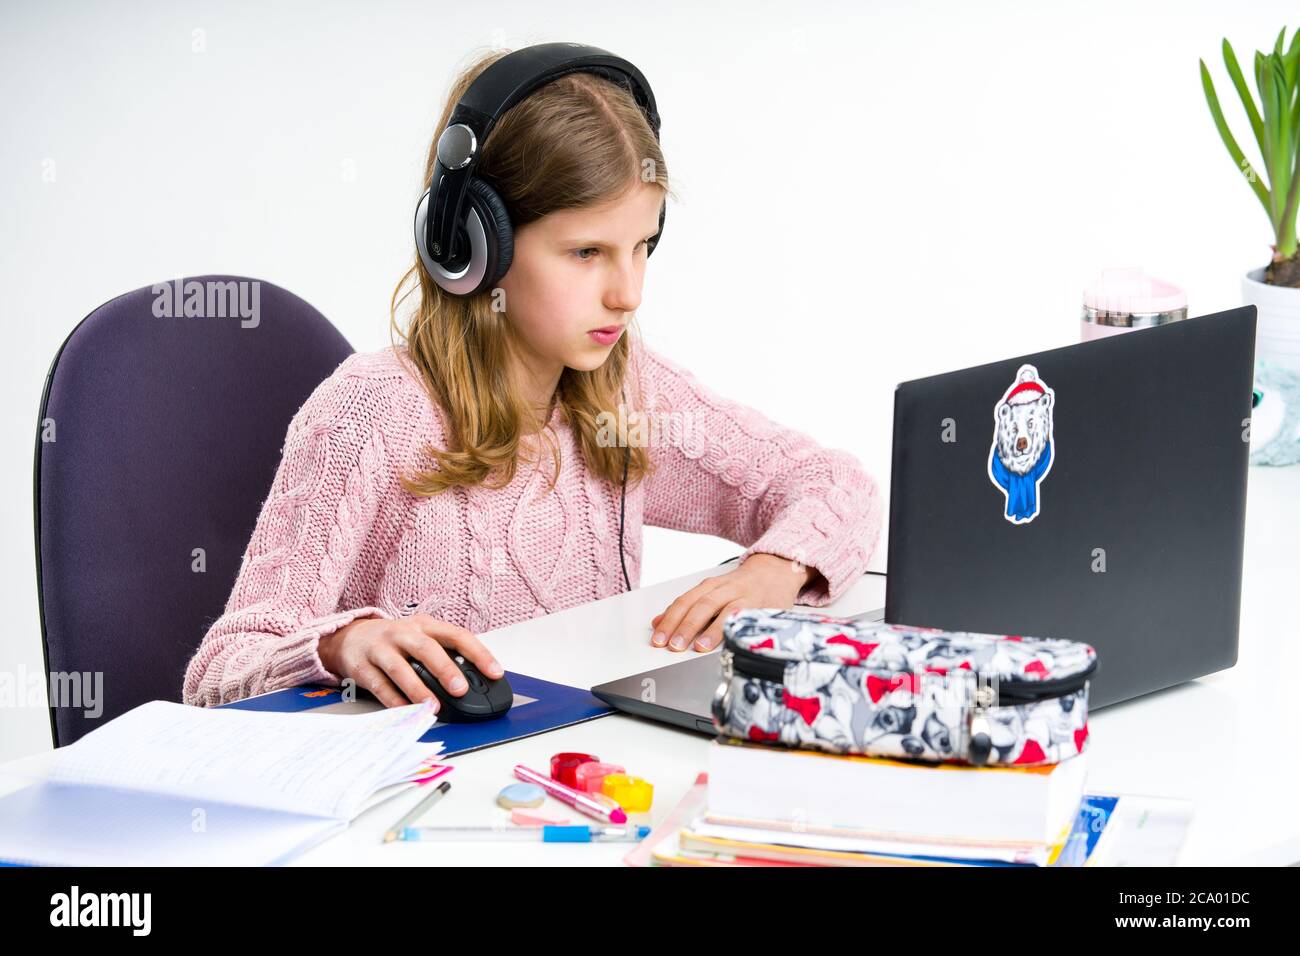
166,784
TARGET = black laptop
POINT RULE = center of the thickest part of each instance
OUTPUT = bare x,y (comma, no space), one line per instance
1095,492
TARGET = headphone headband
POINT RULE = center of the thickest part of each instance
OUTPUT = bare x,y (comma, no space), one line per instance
513,77
500,86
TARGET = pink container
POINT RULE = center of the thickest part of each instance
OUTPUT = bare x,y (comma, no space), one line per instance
590,776
1120,300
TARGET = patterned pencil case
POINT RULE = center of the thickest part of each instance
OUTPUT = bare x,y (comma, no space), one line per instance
844,685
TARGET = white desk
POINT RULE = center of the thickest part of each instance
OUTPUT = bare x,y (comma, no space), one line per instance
1226,741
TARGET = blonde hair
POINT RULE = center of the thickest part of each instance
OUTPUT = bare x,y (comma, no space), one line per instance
575,142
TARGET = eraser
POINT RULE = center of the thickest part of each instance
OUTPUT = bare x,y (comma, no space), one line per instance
521,795
531,818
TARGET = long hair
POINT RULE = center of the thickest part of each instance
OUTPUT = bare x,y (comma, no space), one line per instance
575,142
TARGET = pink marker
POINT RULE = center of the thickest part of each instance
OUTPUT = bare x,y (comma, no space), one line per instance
582,802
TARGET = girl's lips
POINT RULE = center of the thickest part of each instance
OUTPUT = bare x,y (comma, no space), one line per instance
606,336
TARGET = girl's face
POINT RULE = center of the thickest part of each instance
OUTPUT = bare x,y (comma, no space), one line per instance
576,271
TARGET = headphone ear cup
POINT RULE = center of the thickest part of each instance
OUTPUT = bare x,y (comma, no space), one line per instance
654,243
496,223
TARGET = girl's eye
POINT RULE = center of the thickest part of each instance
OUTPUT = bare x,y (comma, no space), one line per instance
642,246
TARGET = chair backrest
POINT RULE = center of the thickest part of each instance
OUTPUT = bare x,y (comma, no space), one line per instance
160,432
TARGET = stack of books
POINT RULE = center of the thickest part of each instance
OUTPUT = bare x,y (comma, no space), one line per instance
762,805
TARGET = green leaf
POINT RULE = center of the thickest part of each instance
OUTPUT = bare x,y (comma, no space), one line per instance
1243,165
1264,80
1247,99
1294,116
1292,58
1286,232
1284,157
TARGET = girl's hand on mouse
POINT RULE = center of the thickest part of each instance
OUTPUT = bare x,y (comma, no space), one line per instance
373,653
763,580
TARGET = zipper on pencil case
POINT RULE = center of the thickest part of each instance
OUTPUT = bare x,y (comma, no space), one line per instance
745,663
1016,691
737,660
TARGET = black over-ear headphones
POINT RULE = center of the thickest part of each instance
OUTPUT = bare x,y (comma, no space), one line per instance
462,226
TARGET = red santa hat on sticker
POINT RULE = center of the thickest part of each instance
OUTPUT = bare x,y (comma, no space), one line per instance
1027,388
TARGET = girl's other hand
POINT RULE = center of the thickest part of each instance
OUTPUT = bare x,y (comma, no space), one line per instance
763,580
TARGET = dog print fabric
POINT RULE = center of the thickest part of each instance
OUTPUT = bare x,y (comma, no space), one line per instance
896,691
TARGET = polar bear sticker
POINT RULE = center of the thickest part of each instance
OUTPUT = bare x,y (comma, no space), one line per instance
1022,444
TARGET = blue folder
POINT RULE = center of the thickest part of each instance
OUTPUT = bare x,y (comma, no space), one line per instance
555,706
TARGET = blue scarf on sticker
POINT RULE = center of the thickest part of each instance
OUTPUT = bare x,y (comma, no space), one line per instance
1022,490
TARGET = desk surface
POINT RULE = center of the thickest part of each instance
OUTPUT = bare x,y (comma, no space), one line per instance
1225,741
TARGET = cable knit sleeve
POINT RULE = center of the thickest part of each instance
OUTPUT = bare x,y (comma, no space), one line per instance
722,468
321,505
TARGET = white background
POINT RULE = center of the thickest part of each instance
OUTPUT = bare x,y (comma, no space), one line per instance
870,192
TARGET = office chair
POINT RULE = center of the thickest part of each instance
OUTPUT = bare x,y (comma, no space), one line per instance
158,438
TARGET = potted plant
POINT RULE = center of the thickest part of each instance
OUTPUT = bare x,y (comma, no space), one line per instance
1274,289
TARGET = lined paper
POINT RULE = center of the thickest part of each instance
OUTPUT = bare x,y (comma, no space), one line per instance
323,765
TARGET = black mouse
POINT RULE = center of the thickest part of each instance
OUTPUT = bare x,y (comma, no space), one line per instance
486,699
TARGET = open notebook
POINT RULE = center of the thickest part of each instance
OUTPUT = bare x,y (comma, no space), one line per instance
167,784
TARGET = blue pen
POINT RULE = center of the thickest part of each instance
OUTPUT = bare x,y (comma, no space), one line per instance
546,834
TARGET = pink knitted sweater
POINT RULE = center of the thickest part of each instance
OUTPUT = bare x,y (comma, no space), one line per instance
338,538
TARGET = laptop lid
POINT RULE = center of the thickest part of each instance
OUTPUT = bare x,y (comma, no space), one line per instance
679,693
1095,492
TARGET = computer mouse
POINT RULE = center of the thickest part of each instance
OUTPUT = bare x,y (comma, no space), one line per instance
486,699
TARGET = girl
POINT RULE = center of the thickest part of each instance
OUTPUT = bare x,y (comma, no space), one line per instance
412,509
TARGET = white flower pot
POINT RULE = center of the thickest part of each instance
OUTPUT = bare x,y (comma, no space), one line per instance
1275,424
1277,329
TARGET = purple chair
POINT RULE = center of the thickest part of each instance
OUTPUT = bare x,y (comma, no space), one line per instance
158,438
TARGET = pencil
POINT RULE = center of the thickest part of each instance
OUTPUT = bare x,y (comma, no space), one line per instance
419,808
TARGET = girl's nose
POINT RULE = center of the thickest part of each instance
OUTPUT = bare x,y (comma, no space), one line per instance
624,294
